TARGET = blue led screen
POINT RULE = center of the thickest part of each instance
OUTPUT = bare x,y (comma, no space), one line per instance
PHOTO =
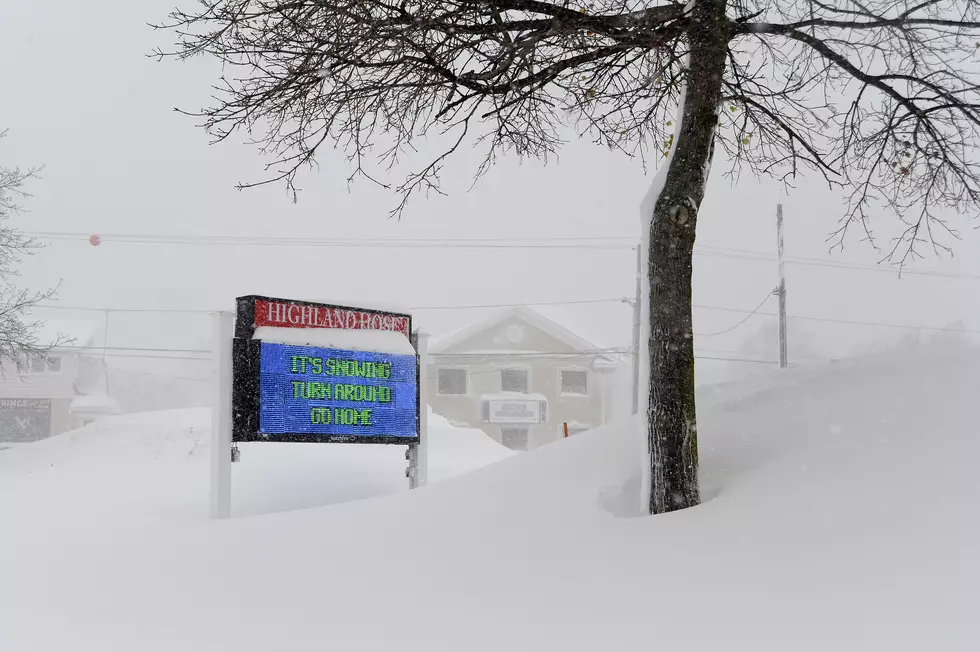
320,391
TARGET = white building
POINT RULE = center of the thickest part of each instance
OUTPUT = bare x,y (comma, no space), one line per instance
521,378
60,392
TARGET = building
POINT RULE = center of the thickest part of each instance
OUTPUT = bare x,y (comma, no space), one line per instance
521,378
51,395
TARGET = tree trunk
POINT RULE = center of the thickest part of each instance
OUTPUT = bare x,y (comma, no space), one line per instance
671,418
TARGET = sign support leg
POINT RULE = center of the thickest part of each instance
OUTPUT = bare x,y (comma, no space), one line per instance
222,332
422,455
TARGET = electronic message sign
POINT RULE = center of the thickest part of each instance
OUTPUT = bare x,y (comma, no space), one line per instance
336,394
290,392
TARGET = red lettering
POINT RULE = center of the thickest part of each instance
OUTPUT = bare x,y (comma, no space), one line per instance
351,320
365,320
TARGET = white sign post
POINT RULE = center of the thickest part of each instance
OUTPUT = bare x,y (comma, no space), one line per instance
222,333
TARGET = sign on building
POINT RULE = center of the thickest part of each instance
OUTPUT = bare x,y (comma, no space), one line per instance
332,382
501,410
24,419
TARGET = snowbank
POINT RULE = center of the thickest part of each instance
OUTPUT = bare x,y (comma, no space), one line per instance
338,338
841,517
155,467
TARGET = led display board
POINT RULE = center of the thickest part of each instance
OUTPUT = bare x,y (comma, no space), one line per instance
302,393
334,393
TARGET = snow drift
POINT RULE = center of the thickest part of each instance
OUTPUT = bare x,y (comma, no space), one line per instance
155,466
842,517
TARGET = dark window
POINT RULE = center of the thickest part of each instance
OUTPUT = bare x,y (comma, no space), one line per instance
514,380
514,438
38,364
575,381
452,381
54,363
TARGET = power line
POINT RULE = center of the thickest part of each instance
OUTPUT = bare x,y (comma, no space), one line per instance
49,306
747,317
535,354
598,242
547,303
100,348
152,356
546,242
748,254
851,322
514,305
167,376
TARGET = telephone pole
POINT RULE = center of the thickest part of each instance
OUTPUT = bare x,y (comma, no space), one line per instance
636,331
781,290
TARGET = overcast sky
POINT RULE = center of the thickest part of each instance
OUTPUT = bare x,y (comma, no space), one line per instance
80,97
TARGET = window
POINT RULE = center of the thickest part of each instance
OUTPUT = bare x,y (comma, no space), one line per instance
452,381
575,382
42,364
514,438
514,380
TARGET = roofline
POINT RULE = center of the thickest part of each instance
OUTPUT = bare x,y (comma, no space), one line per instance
553,328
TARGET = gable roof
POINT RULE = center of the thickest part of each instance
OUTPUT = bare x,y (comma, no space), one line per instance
444,343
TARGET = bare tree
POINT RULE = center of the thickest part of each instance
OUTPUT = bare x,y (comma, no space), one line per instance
19,340
878,96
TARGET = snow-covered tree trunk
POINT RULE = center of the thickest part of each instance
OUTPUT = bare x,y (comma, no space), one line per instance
671,419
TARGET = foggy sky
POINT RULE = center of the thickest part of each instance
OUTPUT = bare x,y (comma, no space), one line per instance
80,97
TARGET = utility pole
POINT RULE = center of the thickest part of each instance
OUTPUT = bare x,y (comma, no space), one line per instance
781,290
636,331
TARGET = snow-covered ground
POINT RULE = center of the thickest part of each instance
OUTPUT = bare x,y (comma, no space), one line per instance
842,515
155,466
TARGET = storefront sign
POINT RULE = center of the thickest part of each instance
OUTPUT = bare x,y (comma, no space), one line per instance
24,419
296,314
513,411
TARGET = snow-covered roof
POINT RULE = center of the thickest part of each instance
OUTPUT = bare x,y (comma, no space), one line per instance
338,338
444,343
96,404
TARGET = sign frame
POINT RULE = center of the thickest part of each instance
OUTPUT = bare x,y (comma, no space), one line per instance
246,356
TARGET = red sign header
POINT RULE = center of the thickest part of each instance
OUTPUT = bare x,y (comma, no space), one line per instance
284,314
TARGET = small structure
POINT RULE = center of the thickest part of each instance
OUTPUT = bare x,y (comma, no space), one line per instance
57,393
520,377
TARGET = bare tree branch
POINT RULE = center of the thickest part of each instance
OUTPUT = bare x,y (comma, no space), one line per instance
19,340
